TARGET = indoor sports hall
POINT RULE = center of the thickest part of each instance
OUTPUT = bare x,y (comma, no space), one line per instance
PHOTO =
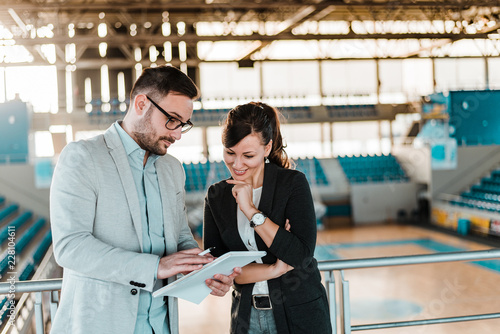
391,109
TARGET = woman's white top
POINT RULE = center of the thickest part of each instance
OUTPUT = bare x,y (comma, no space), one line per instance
247,234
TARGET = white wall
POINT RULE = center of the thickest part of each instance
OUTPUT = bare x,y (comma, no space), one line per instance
415,161
379,202
473,162
17,184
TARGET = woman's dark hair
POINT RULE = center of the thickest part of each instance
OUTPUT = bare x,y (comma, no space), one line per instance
159,81
260,118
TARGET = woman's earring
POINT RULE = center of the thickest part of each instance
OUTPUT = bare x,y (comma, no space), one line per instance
266,160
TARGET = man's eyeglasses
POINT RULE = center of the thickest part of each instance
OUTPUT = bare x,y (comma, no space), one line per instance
173,123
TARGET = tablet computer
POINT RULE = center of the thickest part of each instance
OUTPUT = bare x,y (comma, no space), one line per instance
192,286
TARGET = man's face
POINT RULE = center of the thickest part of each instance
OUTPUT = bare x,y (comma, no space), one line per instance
150,131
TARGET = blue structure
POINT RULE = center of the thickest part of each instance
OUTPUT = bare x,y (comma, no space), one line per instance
14,129
473,116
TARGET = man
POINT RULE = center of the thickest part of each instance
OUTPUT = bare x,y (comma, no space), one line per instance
118,216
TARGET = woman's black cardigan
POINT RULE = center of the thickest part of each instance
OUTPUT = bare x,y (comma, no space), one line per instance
298,298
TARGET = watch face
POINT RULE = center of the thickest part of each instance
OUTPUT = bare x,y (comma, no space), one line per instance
258,219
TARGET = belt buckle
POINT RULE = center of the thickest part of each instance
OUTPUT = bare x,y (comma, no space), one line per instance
256,303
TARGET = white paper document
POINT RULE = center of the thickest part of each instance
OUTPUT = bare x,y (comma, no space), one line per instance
192,287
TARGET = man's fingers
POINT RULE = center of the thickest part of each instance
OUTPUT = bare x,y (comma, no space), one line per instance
194,251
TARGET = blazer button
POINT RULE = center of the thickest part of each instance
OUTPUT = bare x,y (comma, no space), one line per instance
133,291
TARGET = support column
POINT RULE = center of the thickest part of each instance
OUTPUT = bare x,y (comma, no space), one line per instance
380,136
61,89
486,73
320,78
331,139
434,83
322,137
377,72
391,135
261,80
204,143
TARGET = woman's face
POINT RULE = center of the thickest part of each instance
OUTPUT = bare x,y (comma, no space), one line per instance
245,160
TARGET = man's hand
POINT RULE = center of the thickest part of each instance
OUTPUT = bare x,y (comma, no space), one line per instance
221,284
182,262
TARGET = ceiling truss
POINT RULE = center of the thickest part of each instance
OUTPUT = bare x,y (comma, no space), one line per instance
24,19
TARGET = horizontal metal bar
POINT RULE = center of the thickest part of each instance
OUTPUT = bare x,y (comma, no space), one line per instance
408,259
426,322
30,286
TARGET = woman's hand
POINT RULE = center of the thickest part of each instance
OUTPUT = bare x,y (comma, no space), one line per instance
243,193
287,225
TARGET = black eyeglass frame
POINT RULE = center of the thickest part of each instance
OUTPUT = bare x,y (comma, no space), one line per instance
170,117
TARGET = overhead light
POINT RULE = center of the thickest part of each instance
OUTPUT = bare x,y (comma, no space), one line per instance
182,51
153,54
103,48
102,30
165,29
88,90
167,51
181,28
137,54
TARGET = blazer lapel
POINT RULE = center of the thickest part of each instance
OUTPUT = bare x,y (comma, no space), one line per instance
266,199
119,156
168,202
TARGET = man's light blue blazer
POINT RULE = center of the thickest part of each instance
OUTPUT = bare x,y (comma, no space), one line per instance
97,235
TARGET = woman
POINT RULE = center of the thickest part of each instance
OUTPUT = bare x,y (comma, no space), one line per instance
266,206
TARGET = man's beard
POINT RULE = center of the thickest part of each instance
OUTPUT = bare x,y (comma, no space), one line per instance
147,139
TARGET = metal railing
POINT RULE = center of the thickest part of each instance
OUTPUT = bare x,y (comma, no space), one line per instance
37,287
327,267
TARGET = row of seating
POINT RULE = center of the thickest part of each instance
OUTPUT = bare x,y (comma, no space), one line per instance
200,175
484,195
377,168
27,270
16,223
384,168
476,204
8,210
16,219
313,170
4,304
20,244
350,111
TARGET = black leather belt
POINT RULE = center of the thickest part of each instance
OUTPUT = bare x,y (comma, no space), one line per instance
261,302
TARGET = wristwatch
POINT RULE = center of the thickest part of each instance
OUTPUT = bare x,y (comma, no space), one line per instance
257,219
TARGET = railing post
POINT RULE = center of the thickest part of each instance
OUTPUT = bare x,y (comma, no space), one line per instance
345,306
332,298
54,302
39,313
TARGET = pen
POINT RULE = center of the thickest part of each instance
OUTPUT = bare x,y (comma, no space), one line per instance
206,251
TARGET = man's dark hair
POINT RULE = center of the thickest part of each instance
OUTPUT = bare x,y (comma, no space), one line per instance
158,82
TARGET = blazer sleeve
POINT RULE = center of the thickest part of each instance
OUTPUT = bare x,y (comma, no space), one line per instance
211,233
186,239
297,248
73,198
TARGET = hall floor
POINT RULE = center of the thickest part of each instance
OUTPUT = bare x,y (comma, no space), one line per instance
392,293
